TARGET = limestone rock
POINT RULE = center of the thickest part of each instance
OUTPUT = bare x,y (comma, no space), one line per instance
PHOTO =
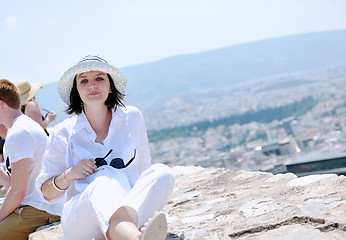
210,203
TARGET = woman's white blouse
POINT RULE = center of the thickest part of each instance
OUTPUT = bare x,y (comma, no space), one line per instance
74,139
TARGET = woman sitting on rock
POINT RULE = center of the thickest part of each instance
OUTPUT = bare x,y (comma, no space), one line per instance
100,160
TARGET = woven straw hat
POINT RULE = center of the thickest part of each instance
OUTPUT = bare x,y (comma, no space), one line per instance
87,64
27,91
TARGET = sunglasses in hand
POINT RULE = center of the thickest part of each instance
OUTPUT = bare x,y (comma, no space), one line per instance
116,162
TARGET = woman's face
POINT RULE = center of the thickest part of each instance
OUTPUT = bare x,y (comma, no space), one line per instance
93,87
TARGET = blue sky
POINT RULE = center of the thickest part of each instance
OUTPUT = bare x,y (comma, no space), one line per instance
40,39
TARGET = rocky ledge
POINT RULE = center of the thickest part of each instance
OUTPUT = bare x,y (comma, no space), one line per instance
224,204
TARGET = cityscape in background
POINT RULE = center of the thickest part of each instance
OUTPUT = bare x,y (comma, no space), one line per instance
318,134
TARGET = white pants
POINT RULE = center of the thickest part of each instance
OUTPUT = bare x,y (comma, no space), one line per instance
86,215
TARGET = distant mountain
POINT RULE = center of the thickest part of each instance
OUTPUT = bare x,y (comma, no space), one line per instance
235,64
223,67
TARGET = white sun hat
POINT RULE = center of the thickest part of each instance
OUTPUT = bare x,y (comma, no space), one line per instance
87,64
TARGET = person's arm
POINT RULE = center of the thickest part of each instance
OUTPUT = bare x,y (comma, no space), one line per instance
63,180
17,191
50,191
33,111
53,164
5,179
3,130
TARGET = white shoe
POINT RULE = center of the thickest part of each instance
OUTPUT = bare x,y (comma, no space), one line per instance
156,229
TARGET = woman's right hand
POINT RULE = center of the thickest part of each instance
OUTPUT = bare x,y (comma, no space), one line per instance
81,170
53,187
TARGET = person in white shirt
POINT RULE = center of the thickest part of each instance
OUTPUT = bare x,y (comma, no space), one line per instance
22,210
29,107
100,160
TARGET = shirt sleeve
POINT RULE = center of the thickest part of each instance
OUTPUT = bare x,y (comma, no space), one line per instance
142,144
20,145
53,159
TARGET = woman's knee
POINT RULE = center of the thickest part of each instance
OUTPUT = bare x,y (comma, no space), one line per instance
164,175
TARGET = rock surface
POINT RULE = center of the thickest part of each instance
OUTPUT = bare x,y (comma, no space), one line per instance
224,204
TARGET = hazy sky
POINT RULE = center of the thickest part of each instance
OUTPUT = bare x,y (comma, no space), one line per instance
40,39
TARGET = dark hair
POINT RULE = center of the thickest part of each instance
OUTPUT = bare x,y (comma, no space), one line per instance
76,105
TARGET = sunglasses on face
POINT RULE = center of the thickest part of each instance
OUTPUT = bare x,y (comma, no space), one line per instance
116,162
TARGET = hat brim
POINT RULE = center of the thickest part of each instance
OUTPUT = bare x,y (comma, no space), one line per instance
66,81
24,98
